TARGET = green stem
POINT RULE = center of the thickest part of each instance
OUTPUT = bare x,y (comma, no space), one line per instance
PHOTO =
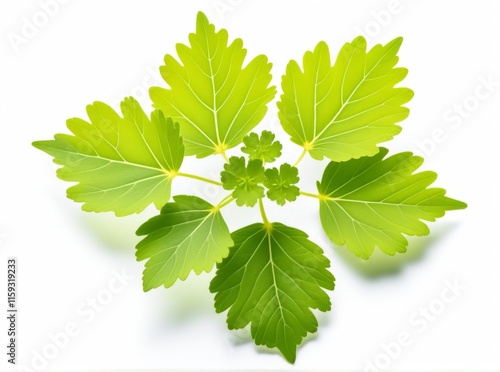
199,178
225,156
227,200
267,224
304,152
317,196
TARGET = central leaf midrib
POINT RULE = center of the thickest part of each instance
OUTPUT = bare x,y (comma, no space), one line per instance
275,284
125,162
214,94
338,200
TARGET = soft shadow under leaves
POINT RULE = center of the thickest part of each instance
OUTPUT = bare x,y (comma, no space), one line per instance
381,264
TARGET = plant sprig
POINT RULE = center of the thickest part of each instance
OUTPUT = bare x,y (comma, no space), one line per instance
269,276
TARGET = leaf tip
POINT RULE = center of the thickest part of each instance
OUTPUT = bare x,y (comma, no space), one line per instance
322,46
358,44
458,204
289,354
146,287
201,18
142,230
397,41
203,24
38,144
394,45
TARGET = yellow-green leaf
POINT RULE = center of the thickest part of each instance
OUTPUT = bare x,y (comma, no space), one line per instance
120,164
215,99
188,235
343,112
273,277
373,201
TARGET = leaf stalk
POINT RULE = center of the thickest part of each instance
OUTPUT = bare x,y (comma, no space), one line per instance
199,178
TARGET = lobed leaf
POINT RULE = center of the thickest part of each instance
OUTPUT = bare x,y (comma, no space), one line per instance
244,180
373,201
263,148
121,164
273,277
280,183
215,99
188,235
343,111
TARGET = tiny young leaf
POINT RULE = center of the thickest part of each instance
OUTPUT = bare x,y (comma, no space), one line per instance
343,112
121,164
188,235
244,180
281,183
215,99
263,148
272,277
373,201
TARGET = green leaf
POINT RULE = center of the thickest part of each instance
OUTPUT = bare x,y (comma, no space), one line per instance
263,148
272,277
188,235
215,99
280,183
343,112
244,180
373,201
121,164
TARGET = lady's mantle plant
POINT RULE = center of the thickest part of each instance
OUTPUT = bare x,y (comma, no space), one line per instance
268,275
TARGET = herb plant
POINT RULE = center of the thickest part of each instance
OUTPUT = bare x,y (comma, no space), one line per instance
268,275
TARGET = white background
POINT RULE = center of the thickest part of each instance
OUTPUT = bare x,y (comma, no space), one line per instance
105,50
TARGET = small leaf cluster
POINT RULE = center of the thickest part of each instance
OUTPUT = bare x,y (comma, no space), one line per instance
270,277
249,180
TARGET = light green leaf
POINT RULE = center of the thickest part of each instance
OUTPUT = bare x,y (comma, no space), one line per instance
264,148
343,112
373,201
215,99
188,235
121,164
244,180
281,183
272,278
